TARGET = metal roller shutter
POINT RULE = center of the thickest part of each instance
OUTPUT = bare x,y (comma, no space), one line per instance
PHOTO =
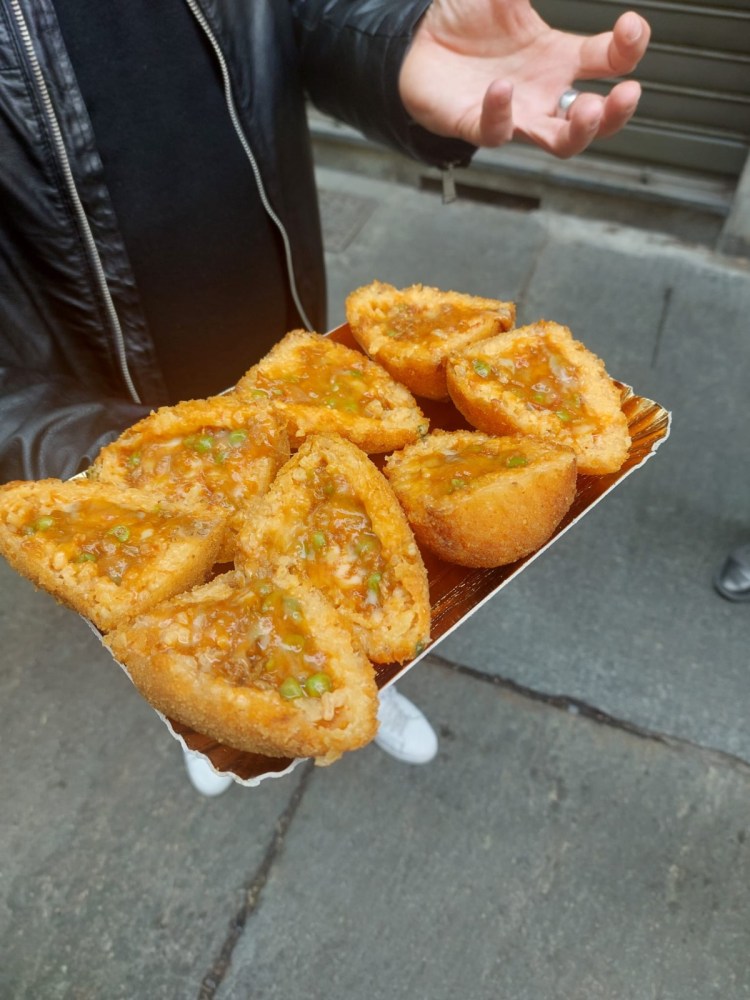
695,110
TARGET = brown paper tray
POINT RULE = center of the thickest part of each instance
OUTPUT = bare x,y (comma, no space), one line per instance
455,592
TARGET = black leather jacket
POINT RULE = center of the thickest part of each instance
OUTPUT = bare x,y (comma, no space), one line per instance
77,364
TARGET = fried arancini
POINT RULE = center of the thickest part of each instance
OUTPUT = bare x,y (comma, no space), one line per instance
320,386
483,501
262,664
331,518
538,380
106,551
411,331
219,453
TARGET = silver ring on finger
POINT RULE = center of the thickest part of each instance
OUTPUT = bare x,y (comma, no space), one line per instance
566,102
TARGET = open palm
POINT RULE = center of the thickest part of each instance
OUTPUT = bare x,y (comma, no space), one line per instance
488,71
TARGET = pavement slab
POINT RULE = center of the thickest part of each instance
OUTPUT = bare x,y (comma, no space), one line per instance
116,879
541,855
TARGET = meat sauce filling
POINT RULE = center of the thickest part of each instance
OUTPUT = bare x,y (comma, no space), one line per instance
455,469
215,457
341,550
257,636
539,377
319,379
114,540
413,323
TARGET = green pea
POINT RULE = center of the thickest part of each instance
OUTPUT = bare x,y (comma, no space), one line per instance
204,443
539,397
458,484
220,457
563,415
294,641
516,461
135,460
121,532
259,394
391,333
481,367
237,437
265,587
318,539
290,689
83,557
292,609
44,523
367,543
373,581
318,684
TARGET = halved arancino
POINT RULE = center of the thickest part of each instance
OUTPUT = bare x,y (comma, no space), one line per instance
106,551
411,331
331,518
319,386
220,453
538,380
260,663
483,501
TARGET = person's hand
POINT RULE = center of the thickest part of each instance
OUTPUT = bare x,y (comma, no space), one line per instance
488,71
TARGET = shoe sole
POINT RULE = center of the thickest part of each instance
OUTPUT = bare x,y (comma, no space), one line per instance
736,597
402,758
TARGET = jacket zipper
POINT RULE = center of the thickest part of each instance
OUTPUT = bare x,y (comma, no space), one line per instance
83,222
234,117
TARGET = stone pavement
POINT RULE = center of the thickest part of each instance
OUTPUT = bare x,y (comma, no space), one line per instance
584,833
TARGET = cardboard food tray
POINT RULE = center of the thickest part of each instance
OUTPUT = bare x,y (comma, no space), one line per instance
455,591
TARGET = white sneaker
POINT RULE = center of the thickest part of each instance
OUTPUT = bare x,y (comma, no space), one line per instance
202,776
404,731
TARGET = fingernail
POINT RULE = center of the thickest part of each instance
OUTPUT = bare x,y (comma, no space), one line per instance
634,33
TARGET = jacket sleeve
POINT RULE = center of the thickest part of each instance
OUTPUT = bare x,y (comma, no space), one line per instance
51,427
351,52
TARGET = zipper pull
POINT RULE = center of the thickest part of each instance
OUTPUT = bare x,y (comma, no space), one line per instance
449,184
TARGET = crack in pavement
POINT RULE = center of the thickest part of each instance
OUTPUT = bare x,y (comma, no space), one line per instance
666,302
577,706
252,891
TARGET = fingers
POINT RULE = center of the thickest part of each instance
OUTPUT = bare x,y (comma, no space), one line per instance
591,117
619,107
496,119
616,52
566,137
